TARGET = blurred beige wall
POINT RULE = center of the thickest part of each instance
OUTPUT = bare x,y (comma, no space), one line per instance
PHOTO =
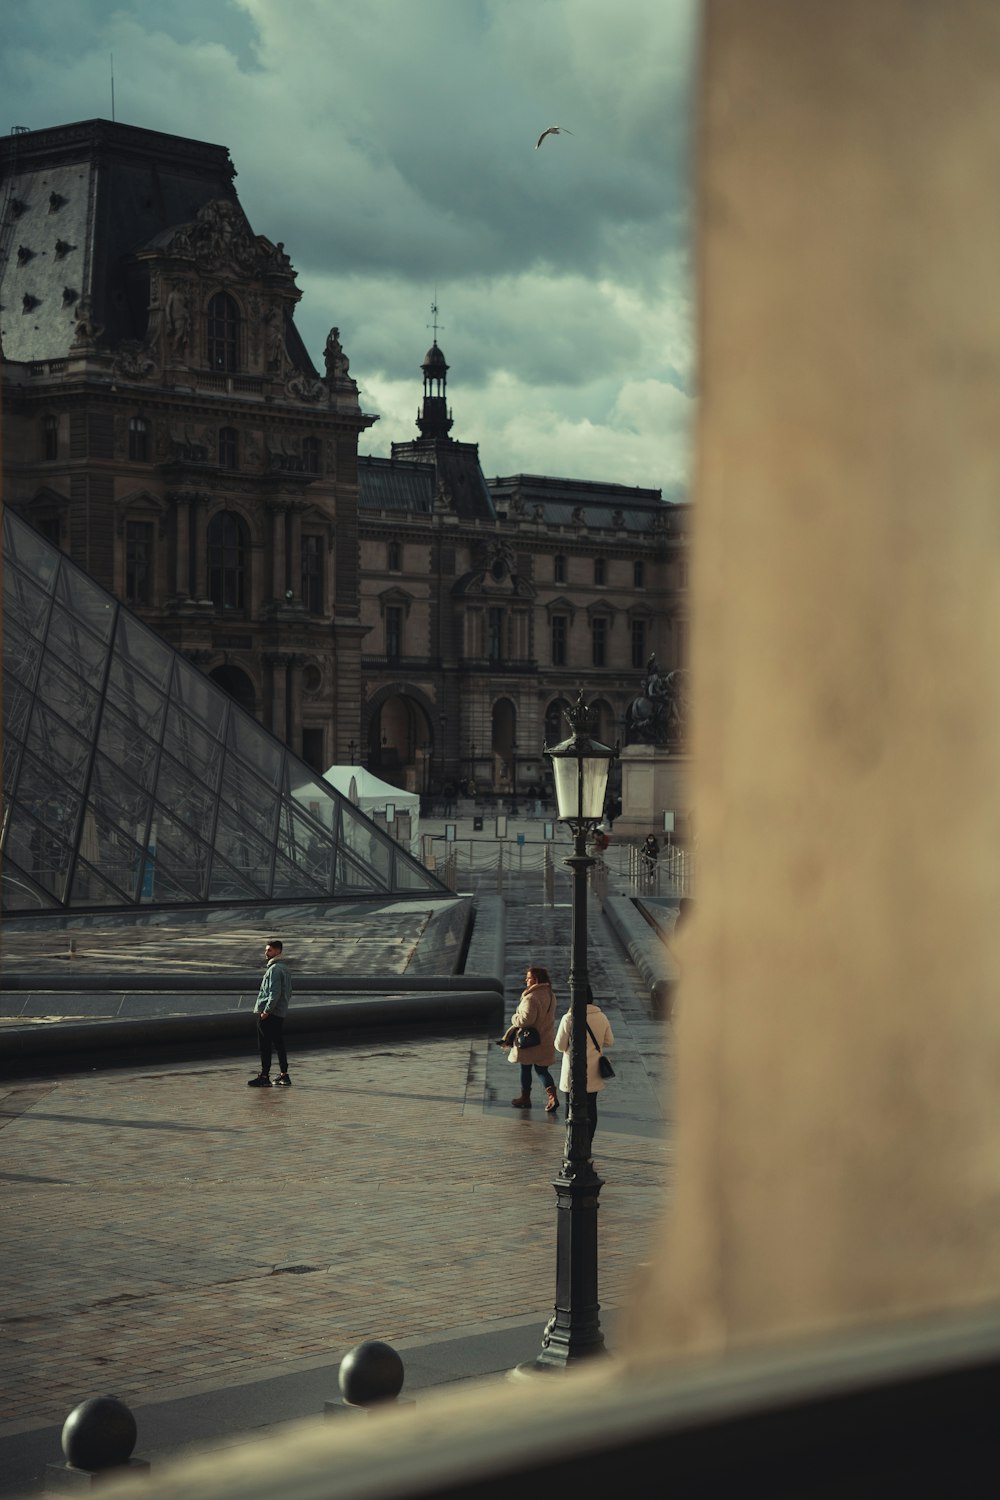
839,1020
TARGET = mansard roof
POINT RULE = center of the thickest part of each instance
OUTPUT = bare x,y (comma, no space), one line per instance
588,504
80,202
388,484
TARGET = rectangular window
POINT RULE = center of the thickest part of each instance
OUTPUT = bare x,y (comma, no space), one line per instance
393,631
599,571
138,562
49,527
598,641
638,575
312,574
559,569
50,437
638,643
138,439
228,448
495,634
559,623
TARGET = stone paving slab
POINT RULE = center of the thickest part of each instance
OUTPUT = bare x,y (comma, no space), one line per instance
166,1229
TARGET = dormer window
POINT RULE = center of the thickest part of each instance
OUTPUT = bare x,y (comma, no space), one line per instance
223,332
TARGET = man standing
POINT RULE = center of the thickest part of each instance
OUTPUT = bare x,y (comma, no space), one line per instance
271,1009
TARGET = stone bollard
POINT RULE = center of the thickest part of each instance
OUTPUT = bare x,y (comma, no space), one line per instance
97,1436
370,1376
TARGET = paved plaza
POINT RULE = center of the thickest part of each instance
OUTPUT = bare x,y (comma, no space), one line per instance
208,1253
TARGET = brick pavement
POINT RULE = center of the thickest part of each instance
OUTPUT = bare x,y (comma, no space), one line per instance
167,1228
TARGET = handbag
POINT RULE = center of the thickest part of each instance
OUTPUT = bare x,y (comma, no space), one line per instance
603,1066
521,1036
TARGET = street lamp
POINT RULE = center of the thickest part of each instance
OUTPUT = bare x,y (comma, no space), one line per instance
351,747
580,767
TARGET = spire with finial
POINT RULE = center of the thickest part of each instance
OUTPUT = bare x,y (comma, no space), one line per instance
434,421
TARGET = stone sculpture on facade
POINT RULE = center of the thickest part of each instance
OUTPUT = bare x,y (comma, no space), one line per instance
337,362
658,716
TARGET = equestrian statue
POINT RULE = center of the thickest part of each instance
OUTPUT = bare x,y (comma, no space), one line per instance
658,716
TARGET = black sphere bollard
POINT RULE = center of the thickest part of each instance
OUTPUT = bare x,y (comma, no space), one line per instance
370,1373
99,1434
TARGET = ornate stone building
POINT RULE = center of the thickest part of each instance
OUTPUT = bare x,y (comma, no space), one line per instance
165,426
489,603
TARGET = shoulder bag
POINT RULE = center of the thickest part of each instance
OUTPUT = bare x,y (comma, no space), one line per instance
603,1066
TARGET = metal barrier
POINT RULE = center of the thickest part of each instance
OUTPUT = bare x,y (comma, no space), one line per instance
505,868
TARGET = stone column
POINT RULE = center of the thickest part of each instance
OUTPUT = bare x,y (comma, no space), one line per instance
199,547
838,1034
276,510
293,563
278,662
182,544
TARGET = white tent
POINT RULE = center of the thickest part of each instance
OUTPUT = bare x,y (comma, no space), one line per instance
371,795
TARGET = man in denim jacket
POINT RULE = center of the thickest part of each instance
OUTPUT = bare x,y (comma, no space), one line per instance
271,1008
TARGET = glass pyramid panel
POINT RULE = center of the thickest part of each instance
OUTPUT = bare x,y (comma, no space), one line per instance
130,779
76,647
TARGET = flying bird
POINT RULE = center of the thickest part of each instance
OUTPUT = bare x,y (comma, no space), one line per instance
552,130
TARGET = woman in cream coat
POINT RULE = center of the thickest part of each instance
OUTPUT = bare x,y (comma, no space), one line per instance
537,1007
601,1027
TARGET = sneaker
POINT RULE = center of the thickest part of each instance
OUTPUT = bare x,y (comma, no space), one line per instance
282,1081
260,1082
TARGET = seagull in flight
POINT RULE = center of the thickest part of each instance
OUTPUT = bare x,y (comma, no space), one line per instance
552,130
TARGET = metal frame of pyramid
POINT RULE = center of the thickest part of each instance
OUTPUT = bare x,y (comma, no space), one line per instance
131,780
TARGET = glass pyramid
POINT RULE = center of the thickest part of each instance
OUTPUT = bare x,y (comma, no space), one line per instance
132,780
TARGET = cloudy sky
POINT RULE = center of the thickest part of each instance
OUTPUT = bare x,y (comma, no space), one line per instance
391,145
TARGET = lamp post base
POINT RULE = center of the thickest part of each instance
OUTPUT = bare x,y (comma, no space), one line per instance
573,1332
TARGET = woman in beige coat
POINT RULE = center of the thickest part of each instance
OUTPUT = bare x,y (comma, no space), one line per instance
599,1038
537,1007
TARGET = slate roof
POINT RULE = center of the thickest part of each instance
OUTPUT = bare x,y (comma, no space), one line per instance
76,203
387,484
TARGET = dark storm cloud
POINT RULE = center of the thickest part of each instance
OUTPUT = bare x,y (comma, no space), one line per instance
391,147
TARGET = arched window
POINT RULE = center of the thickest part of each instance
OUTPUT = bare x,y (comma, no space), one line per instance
227,560
229,450
223,332
138,439
311,455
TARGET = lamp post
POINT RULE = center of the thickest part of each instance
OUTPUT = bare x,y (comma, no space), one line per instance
351,747
513,777
580,767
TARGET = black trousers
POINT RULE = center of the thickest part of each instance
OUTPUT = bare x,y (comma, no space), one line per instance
271,1035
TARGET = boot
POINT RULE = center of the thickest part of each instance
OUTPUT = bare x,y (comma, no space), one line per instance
523,1101
552,1103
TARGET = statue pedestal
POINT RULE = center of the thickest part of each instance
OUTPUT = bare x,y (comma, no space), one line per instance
654,781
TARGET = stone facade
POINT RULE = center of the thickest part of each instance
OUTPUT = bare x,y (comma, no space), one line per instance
489,604
165,426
